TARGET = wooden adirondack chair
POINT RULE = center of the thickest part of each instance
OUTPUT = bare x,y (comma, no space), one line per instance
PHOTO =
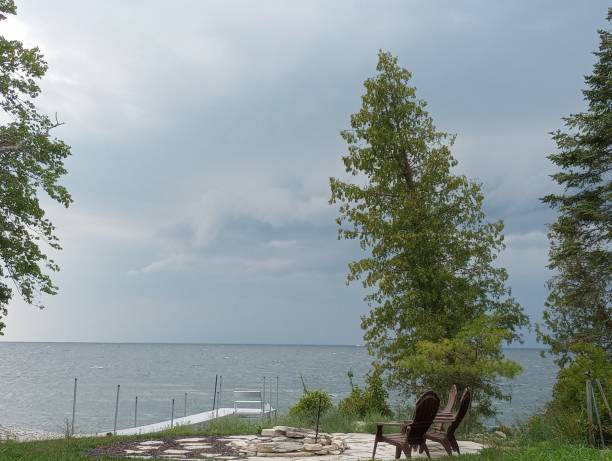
447,411
447,438
413,432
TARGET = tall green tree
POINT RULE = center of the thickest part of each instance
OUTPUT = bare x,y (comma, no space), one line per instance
440,308
31,161
579,308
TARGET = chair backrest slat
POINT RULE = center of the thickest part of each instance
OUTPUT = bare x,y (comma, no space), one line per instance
426,409
452,397
464,406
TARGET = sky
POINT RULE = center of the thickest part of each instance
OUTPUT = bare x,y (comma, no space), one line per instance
204,134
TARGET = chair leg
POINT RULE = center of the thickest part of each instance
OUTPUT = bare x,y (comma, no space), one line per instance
425,449
448,447
375,445
454,444
398,452
407,449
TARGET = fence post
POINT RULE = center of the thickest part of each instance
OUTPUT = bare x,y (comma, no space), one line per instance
263,400
73,406
172,416
589,406
136,412
116,410
605,399
185,414
215,393
603,444
276,410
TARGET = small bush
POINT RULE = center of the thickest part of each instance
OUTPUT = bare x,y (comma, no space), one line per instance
307,407
566,414
371,400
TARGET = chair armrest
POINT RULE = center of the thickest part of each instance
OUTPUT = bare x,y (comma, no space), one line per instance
393,423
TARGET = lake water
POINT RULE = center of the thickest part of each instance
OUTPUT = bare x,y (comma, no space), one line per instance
37,379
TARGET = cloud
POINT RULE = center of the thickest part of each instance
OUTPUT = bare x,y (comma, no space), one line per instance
174,262
282,243
204,134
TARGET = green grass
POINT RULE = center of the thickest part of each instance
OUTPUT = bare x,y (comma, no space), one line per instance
546,451
515,448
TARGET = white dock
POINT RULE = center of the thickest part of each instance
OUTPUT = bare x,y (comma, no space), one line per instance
192,420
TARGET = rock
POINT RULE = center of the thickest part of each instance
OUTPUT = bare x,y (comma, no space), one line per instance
278,447
313,447
270,433
195,446
190,440
321,452
335,452
499,434
299,433
295,454
151,442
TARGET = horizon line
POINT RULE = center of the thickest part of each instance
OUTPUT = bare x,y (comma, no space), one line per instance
191,343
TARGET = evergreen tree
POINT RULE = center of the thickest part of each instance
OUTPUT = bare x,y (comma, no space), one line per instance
440,308
578,309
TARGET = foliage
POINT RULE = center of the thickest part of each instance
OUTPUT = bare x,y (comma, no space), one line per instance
473,357
371,400
30,161
308,405
568,405
579,308
430,264
335,421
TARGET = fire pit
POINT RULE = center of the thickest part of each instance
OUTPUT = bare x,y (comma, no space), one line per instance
290,442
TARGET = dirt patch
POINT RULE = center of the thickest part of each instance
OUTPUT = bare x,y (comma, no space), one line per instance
181,447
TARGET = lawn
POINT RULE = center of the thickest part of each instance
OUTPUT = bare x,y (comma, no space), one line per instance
75,449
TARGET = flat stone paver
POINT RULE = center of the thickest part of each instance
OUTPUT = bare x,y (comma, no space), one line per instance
359,448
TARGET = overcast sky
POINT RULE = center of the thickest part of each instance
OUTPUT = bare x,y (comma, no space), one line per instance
204,133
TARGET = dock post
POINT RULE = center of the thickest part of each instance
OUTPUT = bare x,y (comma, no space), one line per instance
136,412
276,410
73,407
215,393
172,416
116,410
219,398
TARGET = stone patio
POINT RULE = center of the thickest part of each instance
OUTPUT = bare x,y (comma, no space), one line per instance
354,447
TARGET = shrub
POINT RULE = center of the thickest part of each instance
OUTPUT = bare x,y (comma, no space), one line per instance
567,410
371,400
307,407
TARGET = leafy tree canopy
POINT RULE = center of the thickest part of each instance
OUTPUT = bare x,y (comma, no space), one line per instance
30,161
429,267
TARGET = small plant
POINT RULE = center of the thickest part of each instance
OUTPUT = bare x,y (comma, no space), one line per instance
67,429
